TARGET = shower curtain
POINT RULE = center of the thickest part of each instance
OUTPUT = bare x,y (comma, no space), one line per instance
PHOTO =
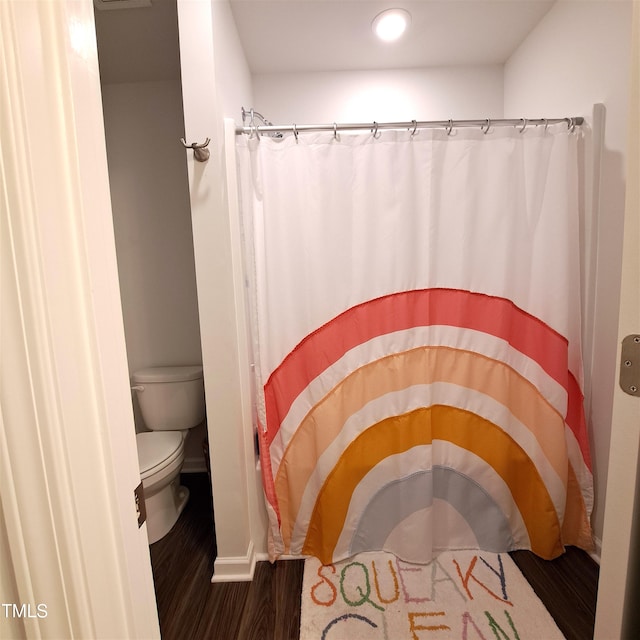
416,331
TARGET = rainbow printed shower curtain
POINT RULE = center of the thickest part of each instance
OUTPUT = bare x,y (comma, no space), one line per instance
416,331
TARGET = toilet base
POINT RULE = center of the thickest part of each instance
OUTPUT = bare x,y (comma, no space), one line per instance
164,508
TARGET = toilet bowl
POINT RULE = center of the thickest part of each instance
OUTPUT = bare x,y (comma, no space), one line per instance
160,456
171,402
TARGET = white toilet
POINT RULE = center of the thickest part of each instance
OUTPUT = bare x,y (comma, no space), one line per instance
171,402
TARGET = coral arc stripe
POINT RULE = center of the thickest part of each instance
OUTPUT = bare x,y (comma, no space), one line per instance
405,310
575,418
423,426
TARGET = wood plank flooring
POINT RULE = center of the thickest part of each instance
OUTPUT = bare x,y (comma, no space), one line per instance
268,608
567,586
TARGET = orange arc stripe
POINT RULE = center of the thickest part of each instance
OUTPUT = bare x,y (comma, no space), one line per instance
423,365
576,529
422,426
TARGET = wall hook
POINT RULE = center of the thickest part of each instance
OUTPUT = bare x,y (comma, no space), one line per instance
200,152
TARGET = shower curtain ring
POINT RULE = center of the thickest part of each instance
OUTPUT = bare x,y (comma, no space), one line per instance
450,127
415,126
524,124
546,123
295,133
335,131
375,130
488,125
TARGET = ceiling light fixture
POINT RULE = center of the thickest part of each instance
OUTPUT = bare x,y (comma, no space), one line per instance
391,24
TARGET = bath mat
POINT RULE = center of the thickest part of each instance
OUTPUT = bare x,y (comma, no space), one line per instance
472,595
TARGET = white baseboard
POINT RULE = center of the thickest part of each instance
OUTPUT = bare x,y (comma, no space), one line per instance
235,568
264,557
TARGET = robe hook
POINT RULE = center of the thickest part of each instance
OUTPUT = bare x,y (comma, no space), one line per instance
200,152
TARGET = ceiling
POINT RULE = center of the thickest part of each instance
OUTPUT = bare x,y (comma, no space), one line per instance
328,35
322,35
138,45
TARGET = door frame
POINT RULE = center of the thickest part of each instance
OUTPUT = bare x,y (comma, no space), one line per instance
68,460
617,591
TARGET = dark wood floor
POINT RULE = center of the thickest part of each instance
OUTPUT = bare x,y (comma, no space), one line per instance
268,608
190,607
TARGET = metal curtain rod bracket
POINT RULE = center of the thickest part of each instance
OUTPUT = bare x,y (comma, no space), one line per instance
483,124
254,128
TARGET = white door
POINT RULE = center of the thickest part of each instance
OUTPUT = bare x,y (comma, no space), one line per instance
72,552
617,600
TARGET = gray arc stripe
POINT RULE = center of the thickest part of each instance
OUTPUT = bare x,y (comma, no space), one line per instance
399,499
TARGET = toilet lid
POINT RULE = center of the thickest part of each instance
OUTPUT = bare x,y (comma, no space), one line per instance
155,447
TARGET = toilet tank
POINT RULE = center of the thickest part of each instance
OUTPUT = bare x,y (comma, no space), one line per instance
171,398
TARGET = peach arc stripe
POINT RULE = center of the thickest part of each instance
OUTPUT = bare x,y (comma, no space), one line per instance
423,426
423,365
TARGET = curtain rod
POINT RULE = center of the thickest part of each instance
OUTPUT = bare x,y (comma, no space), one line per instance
484,124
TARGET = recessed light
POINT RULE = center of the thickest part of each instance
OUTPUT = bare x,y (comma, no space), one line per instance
391,24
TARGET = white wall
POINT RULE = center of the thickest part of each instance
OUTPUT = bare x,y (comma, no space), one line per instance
152,223
150,199
577,56
233,78
216,82
365,96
